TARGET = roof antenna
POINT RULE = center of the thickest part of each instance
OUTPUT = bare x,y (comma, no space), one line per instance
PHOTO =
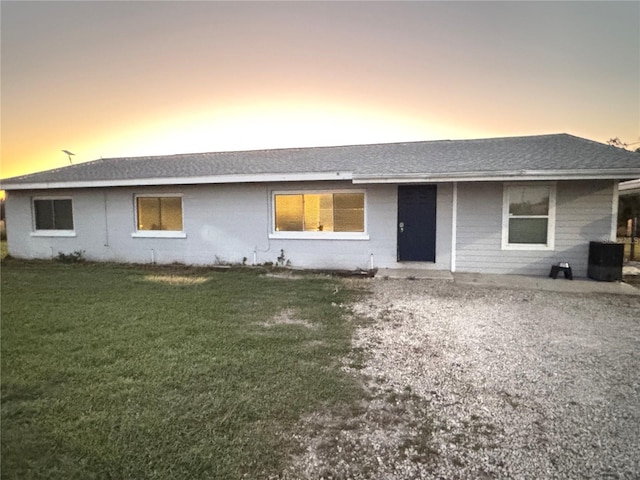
69,155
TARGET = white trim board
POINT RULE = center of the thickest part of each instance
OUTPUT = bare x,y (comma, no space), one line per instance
521,175
257,178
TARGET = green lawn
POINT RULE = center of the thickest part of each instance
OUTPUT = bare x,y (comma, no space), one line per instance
117,372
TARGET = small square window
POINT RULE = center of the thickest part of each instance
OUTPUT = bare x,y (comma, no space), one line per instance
159,213
53,214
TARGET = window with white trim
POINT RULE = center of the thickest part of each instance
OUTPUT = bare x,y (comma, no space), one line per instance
319,212
528,217
157,213
53,214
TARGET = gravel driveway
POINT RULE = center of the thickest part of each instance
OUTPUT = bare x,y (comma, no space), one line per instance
469,382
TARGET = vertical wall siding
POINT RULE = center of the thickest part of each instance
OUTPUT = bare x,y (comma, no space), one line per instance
444,214
479,227
583,214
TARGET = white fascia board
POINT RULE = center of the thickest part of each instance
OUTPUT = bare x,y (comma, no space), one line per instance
609,174
258,178
632,187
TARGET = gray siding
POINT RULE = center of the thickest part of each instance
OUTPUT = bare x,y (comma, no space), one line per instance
583,214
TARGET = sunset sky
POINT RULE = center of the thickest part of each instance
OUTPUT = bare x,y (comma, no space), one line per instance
110,79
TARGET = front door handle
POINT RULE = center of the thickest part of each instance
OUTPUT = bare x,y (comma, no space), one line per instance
401,226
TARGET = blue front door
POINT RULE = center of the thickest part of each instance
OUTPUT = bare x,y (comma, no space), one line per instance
416,223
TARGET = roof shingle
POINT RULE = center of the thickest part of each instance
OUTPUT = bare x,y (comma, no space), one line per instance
487,157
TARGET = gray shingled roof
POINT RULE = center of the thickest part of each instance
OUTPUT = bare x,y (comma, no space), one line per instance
455,159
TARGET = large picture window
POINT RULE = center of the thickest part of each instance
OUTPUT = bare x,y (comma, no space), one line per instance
319,212
155,213
53,214
528,216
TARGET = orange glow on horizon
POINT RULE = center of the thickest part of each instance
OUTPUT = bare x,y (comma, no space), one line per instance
254,126
267,126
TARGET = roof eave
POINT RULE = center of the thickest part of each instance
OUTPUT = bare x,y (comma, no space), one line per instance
629,188
254,178
609,174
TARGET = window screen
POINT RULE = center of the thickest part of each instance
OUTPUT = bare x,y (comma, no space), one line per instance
53,214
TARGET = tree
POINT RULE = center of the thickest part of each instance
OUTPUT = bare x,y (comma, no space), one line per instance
616,142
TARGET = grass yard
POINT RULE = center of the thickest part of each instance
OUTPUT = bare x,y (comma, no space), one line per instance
123,372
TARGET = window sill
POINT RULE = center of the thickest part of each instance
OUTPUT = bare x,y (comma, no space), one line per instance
319,236
528,247
158,234
54,233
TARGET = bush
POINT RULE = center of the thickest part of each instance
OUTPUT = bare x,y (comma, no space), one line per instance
73,257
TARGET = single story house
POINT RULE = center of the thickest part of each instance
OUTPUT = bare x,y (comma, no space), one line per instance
502,205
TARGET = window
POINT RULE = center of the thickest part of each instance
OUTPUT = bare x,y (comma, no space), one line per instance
53,214
528,217
319,212
159,213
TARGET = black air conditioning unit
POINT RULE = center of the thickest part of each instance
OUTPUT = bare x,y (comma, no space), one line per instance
605,261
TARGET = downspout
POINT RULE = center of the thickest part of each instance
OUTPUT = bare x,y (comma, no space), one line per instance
270,217
106,221
454,222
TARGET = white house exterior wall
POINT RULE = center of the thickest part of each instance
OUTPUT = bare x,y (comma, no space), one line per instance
231,222
222,223
583,214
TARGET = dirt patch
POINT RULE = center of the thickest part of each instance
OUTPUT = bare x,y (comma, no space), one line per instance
287,317
284,275
633,280
176,279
